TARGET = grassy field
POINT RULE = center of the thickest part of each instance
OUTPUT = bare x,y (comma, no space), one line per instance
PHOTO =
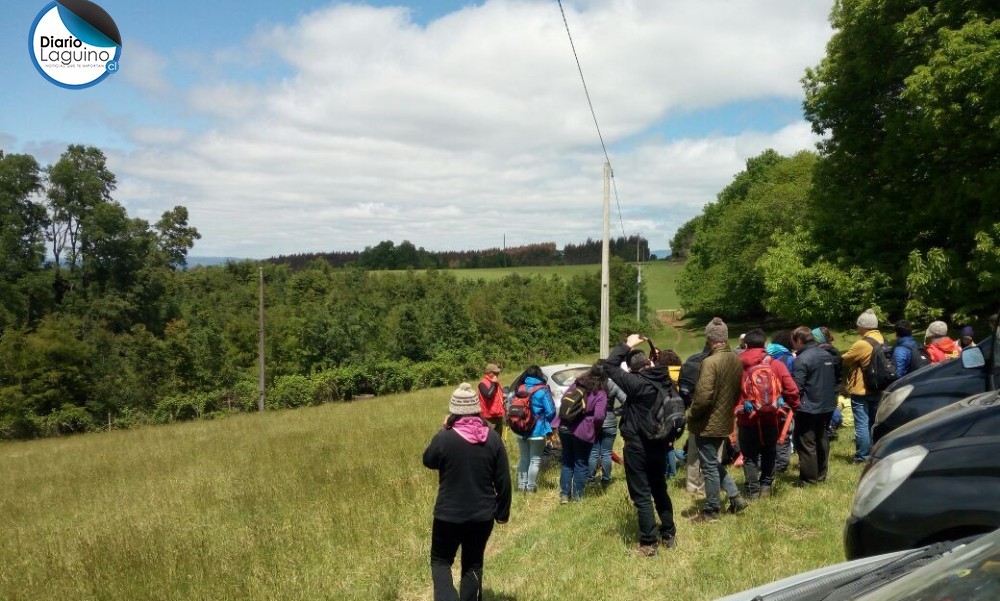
332,502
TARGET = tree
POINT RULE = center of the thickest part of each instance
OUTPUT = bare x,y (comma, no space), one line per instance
175,237
22,223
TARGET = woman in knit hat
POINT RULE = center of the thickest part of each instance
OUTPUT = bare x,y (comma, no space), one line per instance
939,346
967,339
473,492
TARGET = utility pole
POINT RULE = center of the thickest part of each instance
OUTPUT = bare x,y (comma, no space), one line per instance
638,289
605,264
260,344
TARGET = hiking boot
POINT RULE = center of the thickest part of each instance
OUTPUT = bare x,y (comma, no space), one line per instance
765,491
563,499
669,541
647,550
753,495
737,504
705,517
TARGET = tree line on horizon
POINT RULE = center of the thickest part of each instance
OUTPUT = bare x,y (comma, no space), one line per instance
898,210
387,255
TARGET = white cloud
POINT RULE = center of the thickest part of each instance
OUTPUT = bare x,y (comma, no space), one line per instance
144,68
476,124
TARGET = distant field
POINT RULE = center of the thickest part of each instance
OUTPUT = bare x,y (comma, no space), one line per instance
332,502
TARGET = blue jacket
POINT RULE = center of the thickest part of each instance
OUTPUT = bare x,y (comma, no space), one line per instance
902,354
542,407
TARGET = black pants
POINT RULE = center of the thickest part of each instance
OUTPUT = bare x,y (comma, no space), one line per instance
645,475
812,445
759,445
446,537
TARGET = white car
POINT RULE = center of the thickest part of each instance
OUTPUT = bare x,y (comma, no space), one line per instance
561,377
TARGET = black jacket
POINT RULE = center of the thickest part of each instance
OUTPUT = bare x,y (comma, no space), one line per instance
640,389
815,373
473,479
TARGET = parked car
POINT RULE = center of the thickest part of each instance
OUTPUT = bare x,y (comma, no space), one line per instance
939,385
561,376
963,570
936,478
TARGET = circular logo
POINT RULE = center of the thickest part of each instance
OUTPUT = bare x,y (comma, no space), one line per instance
74,44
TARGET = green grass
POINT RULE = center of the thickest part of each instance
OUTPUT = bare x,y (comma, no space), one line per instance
332,502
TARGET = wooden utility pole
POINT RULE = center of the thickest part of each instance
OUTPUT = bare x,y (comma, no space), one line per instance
260,344
605,265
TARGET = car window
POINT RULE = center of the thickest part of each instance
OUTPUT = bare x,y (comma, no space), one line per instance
565,377
970,573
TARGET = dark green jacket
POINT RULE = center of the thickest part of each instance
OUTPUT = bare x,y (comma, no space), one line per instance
716,394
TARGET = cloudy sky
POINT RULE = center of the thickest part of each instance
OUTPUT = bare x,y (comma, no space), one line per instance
306,125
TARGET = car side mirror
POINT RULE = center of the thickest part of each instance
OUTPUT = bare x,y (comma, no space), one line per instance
972,358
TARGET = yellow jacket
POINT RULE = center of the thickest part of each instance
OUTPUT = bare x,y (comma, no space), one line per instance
856,359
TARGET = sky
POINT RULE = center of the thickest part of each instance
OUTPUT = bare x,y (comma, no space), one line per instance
311,125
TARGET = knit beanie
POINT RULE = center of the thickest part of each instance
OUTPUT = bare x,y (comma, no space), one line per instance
818,335
937,329
868,320
967,331
717,330
464,401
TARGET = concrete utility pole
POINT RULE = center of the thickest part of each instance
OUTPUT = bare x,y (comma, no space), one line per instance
605,265
638,290
260,345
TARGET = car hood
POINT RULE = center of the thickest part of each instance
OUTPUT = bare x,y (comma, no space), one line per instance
946,423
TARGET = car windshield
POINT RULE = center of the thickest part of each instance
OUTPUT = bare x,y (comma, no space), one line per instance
970,573
565,377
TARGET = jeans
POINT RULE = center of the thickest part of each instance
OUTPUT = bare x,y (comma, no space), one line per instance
601,453
864,408
529,462
812,445
446,538
673,456
759,445
645,468
695,483
575,458
714,472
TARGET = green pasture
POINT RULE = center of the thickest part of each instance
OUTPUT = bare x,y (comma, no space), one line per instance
332,502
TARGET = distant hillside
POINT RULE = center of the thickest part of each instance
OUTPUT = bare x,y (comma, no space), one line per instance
207,261
660,254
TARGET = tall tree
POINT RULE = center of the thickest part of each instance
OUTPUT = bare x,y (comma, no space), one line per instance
22,222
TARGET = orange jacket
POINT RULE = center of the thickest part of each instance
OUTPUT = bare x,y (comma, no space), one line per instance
942,349
492,406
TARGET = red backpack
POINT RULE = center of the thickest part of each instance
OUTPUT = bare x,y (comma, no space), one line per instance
762,387
520,417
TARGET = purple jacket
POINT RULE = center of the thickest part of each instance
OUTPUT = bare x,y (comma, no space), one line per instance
593,418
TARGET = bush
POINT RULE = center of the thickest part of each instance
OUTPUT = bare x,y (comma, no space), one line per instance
291,391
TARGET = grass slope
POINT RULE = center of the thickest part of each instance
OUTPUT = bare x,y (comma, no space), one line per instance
332,502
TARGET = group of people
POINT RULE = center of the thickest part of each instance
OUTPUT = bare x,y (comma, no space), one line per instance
754,401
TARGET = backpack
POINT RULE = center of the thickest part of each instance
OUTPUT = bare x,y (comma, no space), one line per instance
520,417
762,387
881,369
918,356
665,418
688,378
572,406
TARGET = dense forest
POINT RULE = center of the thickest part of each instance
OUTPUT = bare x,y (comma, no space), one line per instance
387,255
899,210
113,333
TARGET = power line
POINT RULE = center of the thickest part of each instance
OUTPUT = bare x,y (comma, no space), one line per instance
593,114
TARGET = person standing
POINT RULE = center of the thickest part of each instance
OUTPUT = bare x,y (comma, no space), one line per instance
604,443
864,402
939,346
758,431
473,493
711,418
491,399
968,338
578,438
530,445
815,374
645,459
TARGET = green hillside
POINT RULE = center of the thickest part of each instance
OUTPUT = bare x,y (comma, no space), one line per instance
332,502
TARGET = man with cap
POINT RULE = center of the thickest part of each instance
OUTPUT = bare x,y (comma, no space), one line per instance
711,418
939,346
491,399
864,402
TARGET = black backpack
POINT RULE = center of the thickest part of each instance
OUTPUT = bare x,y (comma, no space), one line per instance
665,418
688,377
572,406
881,369
918,356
